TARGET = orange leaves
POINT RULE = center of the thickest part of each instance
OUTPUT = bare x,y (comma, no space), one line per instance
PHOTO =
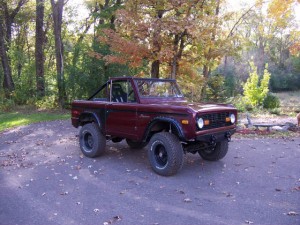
161,27
125,51
169,32
95,55
295,49
132,24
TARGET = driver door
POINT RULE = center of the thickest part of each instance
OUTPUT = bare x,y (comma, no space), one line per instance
121,111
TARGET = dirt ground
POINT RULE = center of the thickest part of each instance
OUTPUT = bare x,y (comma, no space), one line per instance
44,179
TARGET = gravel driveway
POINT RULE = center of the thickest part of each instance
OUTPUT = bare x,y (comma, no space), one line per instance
44,179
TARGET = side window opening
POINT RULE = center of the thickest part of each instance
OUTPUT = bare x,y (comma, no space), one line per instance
122,91
102,95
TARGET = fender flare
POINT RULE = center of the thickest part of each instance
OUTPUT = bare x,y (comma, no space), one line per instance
174,123
90,115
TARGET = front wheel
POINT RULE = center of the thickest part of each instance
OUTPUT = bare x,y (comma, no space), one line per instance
92,141
165,154
215,153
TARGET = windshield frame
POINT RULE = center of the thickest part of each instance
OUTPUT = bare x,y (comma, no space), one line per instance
155,84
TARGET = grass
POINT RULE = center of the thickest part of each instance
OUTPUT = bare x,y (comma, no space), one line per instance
289,102
14,119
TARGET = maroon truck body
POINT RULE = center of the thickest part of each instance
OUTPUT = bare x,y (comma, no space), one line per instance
138,110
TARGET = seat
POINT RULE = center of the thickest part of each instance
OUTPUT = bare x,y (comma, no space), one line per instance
118,95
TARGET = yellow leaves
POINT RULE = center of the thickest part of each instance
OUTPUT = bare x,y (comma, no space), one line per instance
259,3
279,7
260,28
280,11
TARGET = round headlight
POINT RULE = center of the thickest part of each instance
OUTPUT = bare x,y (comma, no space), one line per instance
232,118
200,123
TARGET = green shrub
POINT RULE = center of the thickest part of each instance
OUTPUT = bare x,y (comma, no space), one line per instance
241,104
7,105
215,90
48,102
271,102
286,78
255,90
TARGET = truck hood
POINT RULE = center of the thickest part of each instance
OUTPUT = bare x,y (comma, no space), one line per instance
200,107
209,106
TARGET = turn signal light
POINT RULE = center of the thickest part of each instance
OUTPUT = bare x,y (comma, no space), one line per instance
185,122
227,119
206,122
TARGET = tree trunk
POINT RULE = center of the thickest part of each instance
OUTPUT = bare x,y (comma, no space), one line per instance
156,45
178,46
225,65
8,83
57,11
174,62
206,68
7,18
205,71
155,69
261,51
39,48
174,67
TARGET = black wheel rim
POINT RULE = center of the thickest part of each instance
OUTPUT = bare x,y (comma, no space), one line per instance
88,141
209,150
161,155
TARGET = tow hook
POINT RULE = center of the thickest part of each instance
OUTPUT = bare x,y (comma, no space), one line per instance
228,136
213,140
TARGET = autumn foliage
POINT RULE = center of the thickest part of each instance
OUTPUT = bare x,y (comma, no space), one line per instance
47,56
125,51
166,34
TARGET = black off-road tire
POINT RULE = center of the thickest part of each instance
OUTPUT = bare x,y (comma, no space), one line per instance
216,153
92,141
165,154
136,144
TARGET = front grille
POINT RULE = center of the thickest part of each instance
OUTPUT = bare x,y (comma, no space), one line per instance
215,120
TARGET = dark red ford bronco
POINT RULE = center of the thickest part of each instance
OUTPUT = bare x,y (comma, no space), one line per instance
153,112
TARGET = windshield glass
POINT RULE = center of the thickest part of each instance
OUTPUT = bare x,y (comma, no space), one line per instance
157,88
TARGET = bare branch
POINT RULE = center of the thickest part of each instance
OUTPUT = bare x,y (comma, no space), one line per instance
239,20
17,9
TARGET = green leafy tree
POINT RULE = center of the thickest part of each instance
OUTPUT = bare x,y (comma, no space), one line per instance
256,90
7,20
215,89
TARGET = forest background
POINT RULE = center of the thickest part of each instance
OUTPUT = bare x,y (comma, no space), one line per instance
54,51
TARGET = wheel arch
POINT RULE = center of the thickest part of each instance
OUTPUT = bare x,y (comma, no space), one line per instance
89,117
159,124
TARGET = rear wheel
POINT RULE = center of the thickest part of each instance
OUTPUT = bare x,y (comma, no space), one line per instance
92,141
165,154
215,153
